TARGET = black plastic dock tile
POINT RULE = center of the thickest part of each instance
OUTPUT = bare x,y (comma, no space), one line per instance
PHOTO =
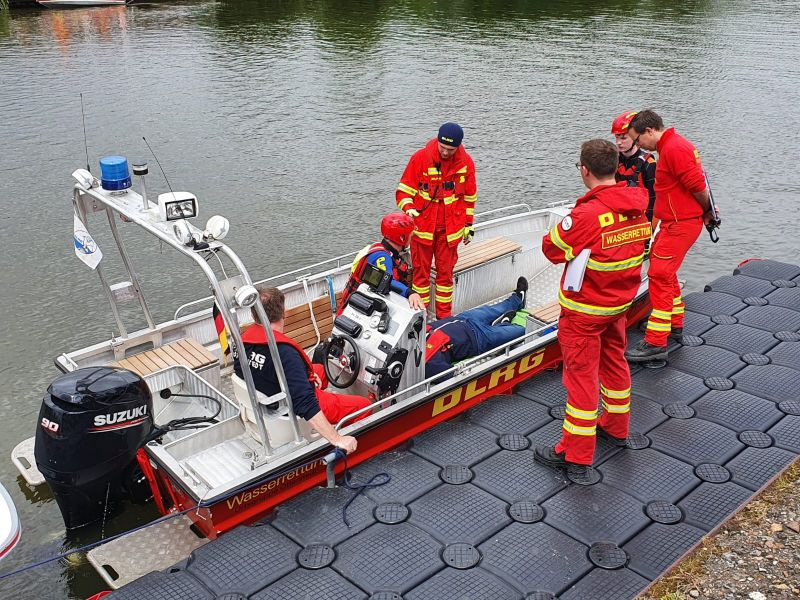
595,513
601,584
713,303
535,557
768,269
509,414
179,585
389,557
303,584
244,560
455,584
739,338
695,441
649,475
737,410
645,414
740,286
770,318
550,434
658,546
706,361
710,503
787,433
480,514
530,480
546,388
772,382
787,297
455,442
668,385
411,476
756,466
696,324
316,516
786,354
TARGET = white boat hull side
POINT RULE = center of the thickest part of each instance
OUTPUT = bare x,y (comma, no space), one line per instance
9,523
68,3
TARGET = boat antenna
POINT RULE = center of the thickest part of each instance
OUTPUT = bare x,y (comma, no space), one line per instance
85,143
158,162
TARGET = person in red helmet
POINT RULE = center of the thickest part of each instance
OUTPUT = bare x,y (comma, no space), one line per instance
636,167
438,190
683,205
396,229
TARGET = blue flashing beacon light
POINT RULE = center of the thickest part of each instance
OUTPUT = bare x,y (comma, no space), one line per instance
114,174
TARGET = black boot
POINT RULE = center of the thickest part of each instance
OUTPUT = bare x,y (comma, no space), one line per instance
645,351
548,456
522,290
676,335
618,442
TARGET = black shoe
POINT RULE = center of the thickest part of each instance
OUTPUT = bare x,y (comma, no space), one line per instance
522,290
505,318
676,335
548,456
615,441
645,351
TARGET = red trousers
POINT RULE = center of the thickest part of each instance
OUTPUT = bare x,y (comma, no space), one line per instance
335,407
422,256
672,242
593,348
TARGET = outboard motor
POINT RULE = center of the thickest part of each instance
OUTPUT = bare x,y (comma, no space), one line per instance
91,423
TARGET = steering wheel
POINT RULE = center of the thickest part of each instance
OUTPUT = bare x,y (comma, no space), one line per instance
342,352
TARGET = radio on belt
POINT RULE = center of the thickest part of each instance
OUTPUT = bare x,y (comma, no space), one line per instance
377,345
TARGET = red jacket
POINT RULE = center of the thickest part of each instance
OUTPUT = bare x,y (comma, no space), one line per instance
679,174
610,221
430,184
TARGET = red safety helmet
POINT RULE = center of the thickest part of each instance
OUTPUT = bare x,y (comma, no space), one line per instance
621,123
397,228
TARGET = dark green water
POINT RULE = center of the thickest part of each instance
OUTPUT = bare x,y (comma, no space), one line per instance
295,119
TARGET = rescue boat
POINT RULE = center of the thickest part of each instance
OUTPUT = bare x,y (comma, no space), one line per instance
9,523
159,412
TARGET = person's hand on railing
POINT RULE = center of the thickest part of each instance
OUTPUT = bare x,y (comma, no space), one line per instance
347,443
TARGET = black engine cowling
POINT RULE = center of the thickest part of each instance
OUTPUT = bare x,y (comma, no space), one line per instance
91,423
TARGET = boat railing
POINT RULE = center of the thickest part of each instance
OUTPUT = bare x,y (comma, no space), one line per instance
427,384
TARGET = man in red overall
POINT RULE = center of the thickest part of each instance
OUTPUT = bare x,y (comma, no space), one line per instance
610,223
438,190
682,206
306,381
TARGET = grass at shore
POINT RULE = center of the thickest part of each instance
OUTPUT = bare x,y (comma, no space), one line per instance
687,575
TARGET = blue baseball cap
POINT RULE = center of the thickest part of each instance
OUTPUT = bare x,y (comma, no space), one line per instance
451,134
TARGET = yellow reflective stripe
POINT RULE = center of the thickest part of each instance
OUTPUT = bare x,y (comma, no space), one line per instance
619,265
677,300
433,171
445,299
653,326
578,430
586,415
617,409
678,310
402,187
361,254
424,195
661,314
471,198
425,235
444,288
470,212
555,237
462,170
449,199
405,202
421,290
454,236
621,394
590,309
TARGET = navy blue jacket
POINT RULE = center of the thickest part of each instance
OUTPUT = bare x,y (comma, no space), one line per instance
462,345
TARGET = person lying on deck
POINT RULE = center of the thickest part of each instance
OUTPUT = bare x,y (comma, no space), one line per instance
306,381
475,331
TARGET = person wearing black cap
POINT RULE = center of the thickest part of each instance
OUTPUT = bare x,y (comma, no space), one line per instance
438,190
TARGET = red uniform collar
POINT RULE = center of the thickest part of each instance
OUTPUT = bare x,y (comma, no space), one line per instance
592,193
255,334
668,133
433,154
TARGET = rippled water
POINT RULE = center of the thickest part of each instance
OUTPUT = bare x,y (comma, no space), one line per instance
295,119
